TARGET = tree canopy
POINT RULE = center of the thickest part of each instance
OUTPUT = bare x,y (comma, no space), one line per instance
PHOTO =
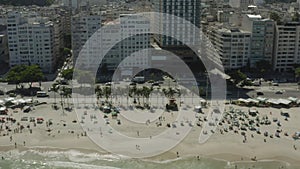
297,72
67,74
238,76
25,74
27,2
275,17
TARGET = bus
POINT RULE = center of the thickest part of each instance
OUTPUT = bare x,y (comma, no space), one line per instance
41,94
139,79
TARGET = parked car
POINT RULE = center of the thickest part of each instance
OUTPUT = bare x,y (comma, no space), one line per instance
24,119
260,93
279,92
155,84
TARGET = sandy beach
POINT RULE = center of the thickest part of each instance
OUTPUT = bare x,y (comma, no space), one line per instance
65,133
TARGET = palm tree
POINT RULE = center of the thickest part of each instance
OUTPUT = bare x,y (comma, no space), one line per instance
99,92
106,92
139,93
146,91
170,92
66,92
132,92
54,88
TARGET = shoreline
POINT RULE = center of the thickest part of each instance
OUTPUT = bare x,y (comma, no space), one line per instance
228,158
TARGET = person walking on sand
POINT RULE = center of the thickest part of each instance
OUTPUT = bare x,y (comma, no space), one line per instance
15,145
24,143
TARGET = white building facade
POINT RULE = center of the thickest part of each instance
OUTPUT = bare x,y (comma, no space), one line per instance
233,46
241,4
30,40
83,26
287,46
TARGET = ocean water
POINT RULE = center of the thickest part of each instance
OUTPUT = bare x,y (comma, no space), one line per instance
32,159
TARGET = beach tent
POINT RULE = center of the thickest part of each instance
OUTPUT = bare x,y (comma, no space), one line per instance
253,112
253,100
284,101
198,109
243,100
9,99
261,99
293,99
3,110
28,100
21,101
272,101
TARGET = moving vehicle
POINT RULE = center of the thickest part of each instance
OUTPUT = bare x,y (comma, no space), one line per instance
139,79
41,94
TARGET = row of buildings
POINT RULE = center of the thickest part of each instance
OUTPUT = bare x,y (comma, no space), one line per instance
241,31
243,37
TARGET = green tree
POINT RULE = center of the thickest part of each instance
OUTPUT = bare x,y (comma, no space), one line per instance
146,92
54,88
14,75
67,74
238,76
170,92
296,17
106,92
27,2
297,75
66,92
32,73
66,51
99,92
275,17
25,74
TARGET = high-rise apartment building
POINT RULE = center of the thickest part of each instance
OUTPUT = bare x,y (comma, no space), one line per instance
241,4
185,9
30,40
287,46
122,43
3,45
233,46
262,37
84,25
135,26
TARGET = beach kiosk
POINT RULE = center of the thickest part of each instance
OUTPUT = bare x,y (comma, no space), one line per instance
253,112
198,109
3,111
